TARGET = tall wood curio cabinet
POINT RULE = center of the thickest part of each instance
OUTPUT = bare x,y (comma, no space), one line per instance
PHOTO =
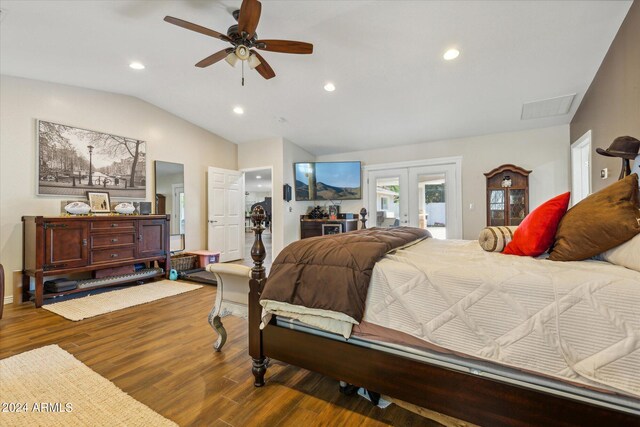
507,195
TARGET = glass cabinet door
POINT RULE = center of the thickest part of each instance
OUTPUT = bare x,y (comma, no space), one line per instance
496,207
517,206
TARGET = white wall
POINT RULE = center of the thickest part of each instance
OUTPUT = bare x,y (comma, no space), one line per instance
168,138
544,151
293,210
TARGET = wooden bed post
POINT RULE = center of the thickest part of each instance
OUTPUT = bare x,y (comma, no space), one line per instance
363,214
256,284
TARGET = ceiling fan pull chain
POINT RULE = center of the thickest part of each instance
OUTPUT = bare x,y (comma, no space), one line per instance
242,73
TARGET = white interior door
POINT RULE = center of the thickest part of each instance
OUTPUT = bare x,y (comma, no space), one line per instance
226,213
581,168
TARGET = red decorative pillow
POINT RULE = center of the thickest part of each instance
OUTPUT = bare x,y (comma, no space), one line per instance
535,233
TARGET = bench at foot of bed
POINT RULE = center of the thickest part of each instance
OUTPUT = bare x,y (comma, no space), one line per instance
231,296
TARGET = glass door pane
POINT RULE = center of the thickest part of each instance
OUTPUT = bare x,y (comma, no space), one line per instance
388,198
388,202
432,204
516,207
434,200
496,207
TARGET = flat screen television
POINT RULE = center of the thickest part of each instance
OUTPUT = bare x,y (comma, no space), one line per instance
328,181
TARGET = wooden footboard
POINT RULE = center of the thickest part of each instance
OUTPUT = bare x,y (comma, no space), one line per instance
461,395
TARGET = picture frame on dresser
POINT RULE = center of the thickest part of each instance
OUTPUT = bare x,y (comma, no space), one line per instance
99,201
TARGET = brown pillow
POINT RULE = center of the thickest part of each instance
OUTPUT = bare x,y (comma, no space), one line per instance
598,223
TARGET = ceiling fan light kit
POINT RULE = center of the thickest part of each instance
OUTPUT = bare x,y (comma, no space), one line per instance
244,39
232,59
254,62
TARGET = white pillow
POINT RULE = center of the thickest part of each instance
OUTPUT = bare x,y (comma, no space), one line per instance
626,254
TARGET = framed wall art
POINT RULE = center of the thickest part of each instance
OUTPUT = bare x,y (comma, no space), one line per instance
99,201
73,161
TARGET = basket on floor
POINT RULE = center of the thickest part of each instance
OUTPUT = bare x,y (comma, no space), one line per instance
182,262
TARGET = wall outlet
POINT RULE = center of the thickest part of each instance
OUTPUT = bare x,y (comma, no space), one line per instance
604,173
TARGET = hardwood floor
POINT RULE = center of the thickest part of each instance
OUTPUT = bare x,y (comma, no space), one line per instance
161,354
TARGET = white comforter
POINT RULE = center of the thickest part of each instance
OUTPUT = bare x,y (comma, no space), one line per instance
574,320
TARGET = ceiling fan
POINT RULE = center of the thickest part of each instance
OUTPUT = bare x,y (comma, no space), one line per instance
244,39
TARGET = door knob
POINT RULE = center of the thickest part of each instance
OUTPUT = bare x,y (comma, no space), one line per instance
211,222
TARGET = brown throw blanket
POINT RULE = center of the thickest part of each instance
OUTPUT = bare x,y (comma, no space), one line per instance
333,272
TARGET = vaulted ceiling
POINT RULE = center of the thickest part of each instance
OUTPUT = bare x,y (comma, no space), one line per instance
385,58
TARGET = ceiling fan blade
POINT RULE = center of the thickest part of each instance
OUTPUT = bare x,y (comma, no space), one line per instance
285,46
209,60
249,17
264,68
197,28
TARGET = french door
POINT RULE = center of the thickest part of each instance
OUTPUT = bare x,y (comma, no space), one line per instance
426,196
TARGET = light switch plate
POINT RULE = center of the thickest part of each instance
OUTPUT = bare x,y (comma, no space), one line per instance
604,173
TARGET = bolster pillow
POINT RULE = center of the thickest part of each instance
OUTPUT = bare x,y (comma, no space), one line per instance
494,239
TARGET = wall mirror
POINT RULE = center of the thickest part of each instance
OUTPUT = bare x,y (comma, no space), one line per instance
169,191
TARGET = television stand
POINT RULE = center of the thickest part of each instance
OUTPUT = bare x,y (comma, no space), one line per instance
314,227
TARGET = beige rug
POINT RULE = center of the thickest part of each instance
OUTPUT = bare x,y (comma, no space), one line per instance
49,387
94,305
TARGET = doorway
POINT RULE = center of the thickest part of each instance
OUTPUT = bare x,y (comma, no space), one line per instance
581,168
425,194
258,191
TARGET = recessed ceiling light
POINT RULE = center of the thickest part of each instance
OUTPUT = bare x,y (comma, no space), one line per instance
329,87
137,66
238,110
451,54
259,185
258,177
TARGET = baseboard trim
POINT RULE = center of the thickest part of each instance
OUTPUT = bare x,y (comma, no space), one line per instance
8,299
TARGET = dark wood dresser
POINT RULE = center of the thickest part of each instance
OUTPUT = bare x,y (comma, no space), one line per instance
314,227
55,246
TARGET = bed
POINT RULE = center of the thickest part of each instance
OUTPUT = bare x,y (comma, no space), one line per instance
475,389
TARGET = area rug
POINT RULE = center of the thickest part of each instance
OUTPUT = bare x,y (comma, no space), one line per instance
94,305
49,387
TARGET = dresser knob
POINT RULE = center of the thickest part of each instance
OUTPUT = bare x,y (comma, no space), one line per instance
114,225
114,255
114,240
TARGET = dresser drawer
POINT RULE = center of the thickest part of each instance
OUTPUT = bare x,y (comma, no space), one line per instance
112,255
112,240
112,225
